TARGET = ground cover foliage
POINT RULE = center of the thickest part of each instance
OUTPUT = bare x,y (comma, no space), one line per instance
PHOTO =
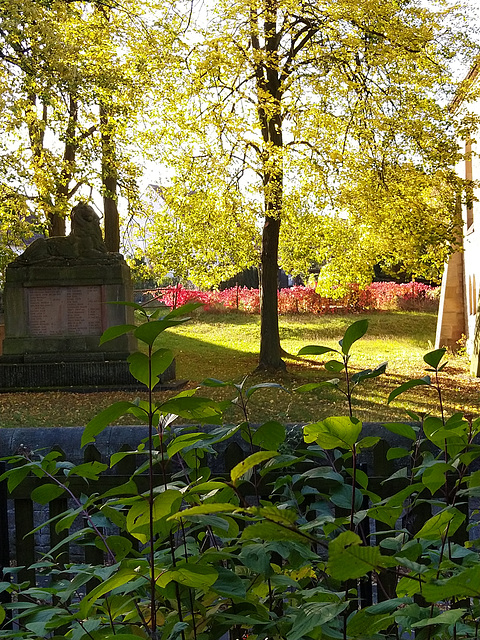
275,548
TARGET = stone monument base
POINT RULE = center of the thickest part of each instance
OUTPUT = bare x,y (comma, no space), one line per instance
91,375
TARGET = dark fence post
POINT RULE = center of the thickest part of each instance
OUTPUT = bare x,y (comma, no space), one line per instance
4,541
24,538
93,555
382,468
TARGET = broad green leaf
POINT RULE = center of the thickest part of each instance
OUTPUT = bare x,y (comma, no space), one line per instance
281,462
141,369
312,616
388,606
148,332
183,441
407,587
431,425
197,576
47,492
120,546
314,350
256,558
386,514
206,487
242,467
363,622
165,504
114,332
118,579
393,453
268,531
274,514
183,310
367,442
436,528
89,470
269,435
433,477
323,472
465,584
401,429
263,385
103,419
433,357
446,617
335,432
334,366
229,584
368,374
210,507
410,384
349,560
311,386
213,382
193,408
341,497
354,332
15,476
474,479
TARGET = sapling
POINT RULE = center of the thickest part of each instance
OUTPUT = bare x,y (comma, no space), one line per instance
353,333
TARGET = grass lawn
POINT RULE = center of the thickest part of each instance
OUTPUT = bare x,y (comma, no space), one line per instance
226,346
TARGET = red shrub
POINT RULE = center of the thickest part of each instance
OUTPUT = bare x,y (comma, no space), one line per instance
379,295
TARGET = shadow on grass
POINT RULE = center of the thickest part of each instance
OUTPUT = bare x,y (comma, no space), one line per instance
198,359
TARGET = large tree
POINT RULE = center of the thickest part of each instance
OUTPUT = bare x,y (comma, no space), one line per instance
73,76
288,109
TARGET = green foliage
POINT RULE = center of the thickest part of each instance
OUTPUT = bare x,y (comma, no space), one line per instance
353,333
269,138
275,548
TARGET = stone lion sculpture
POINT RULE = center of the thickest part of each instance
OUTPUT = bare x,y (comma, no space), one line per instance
83,244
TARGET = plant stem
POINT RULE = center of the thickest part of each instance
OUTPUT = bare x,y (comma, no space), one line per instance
439,391
348,391
354,479
85,514
153,612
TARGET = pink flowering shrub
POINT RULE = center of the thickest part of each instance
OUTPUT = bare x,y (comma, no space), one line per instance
299,299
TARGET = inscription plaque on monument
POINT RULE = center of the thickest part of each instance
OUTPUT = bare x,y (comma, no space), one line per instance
75,310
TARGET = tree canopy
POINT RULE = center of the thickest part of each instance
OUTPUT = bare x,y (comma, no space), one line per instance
311,132
278,132
73,77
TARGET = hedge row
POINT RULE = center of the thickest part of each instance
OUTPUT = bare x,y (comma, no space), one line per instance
378,296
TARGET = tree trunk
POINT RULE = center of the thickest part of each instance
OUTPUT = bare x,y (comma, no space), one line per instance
36,131
109,179
56,222
270,350
269,97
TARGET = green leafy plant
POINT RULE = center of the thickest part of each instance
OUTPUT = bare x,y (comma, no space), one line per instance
306,545
354,332
434,360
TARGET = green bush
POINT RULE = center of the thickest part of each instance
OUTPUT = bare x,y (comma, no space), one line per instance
197,556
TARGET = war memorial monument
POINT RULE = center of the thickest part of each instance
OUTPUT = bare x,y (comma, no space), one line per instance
56,302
